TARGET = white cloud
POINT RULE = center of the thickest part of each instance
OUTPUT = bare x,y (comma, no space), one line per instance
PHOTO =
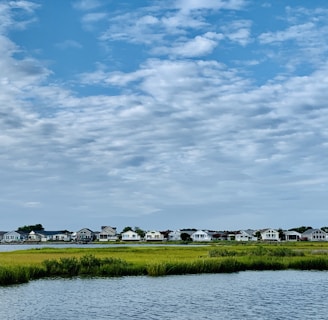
296,32
238,31
85,5
197,47
93,17
16,15
190,5
179,134
68,44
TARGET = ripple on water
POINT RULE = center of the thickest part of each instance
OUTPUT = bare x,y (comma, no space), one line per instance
245,295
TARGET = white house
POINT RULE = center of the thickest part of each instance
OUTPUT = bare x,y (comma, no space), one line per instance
174,235
34,236
201,235
154,236
58,235
269,235
108,234
14,236
44,236
245,235
314,235
130,236
292,235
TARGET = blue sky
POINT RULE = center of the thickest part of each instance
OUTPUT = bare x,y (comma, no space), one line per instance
163,114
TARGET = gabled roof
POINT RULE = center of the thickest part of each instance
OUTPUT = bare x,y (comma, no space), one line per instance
85,229
310,231
248,232
52,233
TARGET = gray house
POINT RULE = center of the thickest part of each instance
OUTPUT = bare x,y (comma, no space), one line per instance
85,235
14,236
2,233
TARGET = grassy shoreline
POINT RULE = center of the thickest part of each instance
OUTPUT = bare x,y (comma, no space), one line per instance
22,266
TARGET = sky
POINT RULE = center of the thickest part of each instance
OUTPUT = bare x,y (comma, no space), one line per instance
207,114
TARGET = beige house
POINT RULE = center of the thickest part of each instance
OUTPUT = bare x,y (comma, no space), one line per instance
107,233
154,236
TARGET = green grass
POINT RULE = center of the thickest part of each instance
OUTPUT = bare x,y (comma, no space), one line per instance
22,266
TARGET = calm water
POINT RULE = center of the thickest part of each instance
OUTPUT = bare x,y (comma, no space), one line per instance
15,247
245,295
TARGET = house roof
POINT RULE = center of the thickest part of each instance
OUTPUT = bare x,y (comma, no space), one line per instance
310,231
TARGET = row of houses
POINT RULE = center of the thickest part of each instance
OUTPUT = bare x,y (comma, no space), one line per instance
108,233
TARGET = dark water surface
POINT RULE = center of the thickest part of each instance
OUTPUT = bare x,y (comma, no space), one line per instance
245,295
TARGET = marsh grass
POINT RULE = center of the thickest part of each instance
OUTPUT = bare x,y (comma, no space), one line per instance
14,275
90,265
22,266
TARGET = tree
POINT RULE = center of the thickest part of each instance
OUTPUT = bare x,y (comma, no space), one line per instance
281,234
300,229
127,229
29,228
185,236
258,235
140,232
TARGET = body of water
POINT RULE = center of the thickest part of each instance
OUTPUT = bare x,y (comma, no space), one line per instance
246,295
15,247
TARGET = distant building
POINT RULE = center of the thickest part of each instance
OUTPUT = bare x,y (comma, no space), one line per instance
175,235
291,235
245,235
154,236
14,236
85,235
269,235
130,236
107,233
314,235
2,233
201,235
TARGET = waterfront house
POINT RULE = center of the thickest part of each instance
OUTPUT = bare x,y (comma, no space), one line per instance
108,233
15,236
218,235
245,235
36,237
44,236
201,235
85,235
154,236
174,235
64,236
291,235
130,236
269,235
2,233
314,235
